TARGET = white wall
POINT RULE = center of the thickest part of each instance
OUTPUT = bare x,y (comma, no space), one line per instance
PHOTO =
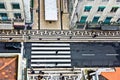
79,8
9,9
27,11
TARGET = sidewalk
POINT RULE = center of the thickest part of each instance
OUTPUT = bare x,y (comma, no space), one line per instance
35,15
65,20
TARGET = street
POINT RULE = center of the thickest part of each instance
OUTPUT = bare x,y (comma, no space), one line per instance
95,54
81,54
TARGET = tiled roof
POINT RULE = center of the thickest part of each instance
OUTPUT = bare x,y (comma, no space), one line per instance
8,68
112,75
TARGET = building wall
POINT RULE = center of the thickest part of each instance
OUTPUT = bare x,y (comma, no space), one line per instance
27,11
19,65
9,10
79,5
21,12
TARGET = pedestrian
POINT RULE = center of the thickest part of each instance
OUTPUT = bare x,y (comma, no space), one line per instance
40,77
32,71
95,35
40,72
61,77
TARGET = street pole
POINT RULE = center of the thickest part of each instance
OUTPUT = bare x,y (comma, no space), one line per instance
22,49
39,14
61,12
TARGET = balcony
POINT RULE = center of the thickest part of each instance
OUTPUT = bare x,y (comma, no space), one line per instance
6,21
18,23
98,25
6,24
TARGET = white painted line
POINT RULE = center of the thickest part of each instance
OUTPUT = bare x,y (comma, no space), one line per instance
58,71
43,65
50,48
50,56
43,52
51,60
51,44
68,64
112,54
63,52
88,54
64,64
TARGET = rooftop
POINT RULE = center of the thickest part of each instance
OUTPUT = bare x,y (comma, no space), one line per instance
8,68
112,75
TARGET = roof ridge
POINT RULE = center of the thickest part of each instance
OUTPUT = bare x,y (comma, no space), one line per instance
6,64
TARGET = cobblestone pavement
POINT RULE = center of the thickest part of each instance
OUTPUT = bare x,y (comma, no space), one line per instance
59,35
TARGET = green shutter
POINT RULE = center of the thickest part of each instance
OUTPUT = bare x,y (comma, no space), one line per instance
83,19
107,20
4,16
101,8
2,6
15,6
87,8
95,19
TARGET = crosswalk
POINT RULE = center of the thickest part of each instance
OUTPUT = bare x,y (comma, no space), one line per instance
50,55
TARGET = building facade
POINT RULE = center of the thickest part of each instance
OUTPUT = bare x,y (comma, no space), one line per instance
93,12
13,14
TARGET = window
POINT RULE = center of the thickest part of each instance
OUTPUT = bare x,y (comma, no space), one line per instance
15,6
95,19
4,16
2,6
114,9
17,15
101,8
87,8
107,20
83,19
118,20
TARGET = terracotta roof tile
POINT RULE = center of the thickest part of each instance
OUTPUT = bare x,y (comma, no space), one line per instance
8,68
112,75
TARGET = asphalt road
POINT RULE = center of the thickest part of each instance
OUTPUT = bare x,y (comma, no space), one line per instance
6,50
89,54
27,47
82,54
95,54
27,55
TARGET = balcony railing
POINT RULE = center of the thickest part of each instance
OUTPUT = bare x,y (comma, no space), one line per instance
98,25
18,20
7,21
